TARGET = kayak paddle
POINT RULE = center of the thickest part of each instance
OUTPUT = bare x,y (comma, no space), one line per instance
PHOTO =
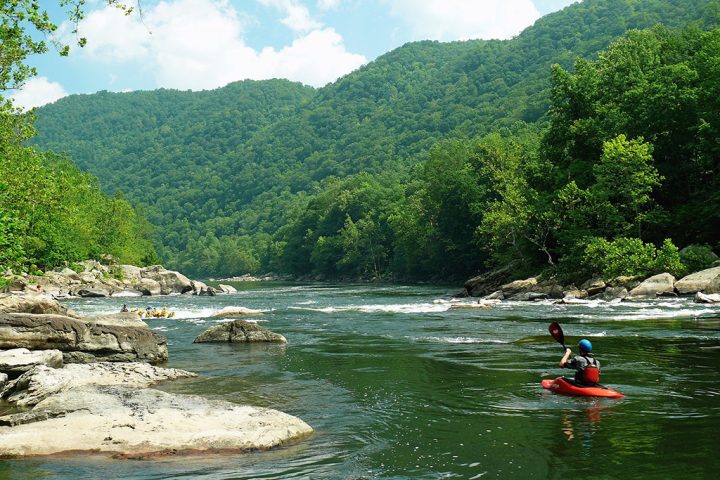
557,333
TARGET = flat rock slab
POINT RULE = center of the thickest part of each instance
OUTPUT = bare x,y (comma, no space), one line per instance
130,423
41,382
239,331
37,304
20,360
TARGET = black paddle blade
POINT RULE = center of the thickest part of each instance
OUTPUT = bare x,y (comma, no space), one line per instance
557,333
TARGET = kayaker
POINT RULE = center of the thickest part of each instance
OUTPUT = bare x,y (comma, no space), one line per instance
587,368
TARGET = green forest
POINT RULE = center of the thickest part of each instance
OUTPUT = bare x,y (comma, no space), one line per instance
51,212
587,144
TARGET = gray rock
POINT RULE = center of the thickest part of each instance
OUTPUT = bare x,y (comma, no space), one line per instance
498,295
148,286
528,296
93,292
626,282
239,331
707,298
575,293
3,380
69,273
38,304
81,341
228,312
19,360
519,286
227,289
698,281
713,287
653,286
41,382
593,286
169,281
489,282
614,293
123,422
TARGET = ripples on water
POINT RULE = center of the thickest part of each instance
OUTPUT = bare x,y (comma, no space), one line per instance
398,385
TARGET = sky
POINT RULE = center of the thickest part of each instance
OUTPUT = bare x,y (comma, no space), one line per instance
206,44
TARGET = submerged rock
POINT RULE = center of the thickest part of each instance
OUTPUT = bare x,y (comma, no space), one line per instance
41,381
239,331
138,424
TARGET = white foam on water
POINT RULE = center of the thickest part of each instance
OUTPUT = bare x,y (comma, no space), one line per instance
396,308
459,340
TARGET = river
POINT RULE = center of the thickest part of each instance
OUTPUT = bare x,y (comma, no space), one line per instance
399,386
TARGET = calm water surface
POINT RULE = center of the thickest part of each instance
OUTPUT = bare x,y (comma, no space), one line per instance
397,385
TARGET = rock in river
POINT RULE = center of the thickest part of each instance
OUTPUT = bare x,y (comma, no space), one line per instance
653,286
41,382
130,423
239,331
82,342
698,281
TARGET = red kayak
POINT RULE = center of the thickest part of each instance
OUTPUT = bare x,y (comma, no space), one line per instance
561,385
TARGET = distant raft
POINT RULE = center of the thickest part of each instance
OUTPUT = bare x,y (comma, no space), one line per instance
151,313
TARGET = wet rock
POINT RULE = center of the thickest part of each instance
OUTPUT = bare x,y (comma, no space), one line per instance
653,286
228,312
227,289
139,424
698,281
707,298
239,331
81,341
529,296
94,292
575,293
498,295
41,382
19,360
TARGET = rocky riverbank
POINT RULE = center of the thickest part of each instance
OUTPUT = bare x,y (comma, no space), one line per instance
703,285
81,385
93,279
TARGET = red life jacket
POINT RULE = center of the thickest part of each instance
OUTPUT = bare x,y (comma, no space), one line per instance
591,373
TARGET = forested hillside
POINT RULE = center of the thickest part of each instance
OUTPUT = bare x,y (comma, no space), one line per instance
389,170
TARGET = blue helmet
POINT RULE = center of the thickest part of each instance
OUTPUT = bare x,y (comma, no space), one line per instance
585,345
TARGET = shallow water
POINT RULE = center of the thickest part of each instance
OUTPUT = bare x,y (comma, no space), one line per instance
397,385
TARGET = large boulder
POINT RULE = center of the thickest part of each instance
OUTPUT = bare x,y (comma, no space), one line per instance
613,293
713,287
654,286
698,281
489,282
128,423
38,304
170,281
82,342
519,286
148,286
41,382
17,361
239,331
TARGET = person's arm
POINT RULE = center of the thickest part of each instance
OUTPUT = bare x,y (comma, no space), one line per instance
565,358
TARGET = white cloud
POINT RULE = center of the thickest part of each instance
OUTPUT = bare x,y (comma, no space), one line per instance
298,16
465,19
37,92
199,44
328,4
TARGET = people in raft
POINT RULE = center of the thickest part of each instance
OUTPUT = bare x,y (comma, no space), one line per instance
587,368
